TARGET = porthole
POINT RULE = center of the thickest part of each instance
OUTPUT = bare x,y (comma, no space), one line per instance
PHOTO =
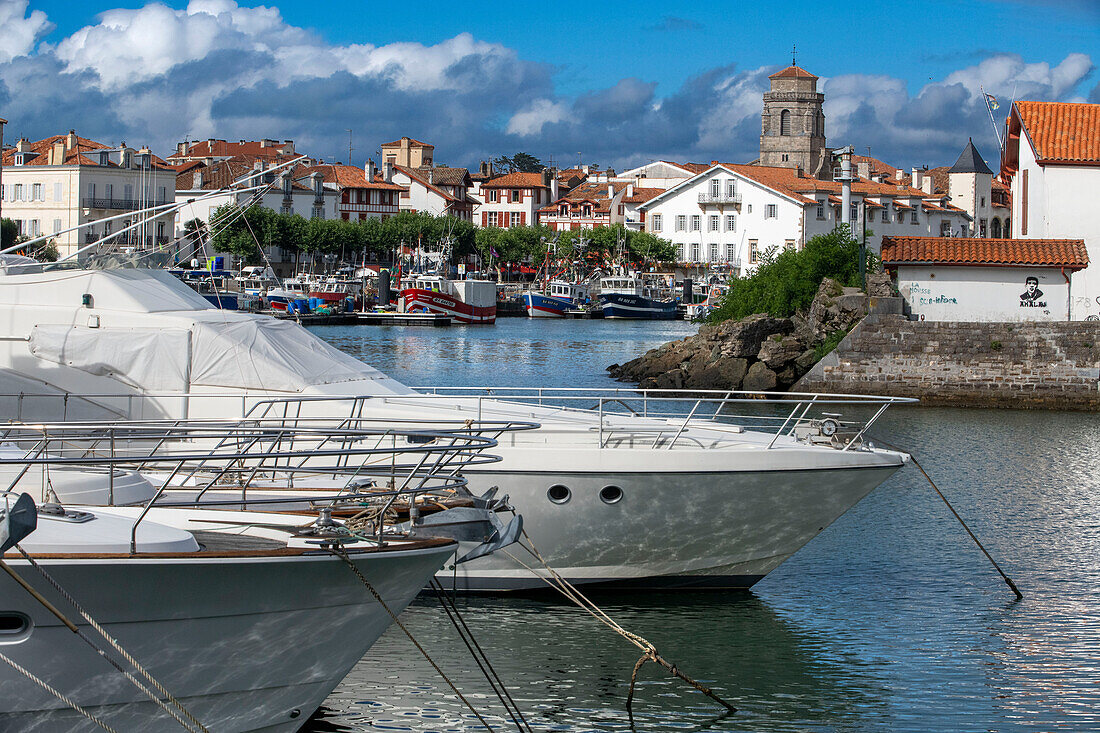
559,494
611,495
14,627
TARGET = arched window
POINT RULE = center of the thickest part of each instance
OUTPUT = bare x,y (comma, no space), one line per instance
785,122
995,228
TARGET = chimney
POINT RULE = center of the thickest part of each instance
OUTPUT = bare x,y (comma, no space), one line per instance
181,148
899,174
798,171
431,176
370,171
610,191
630,190
927,187
197,178
23,146
210,144
918,178
388,174
57,153
863,167
70,140
484,170
266,143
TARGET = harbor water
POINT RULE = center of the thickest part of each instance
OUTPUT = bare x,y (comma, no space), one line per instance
891,619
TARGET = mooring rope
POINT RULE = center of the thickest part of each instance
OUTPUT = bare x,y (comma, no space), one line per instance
341,553
649,651
479,656
124,654
56,693
1007,580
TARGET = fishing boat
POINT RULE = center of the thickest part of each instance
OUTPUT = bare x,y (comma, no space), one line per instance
219,287
630,297
465,301
559,297
256,280
246,620
704,302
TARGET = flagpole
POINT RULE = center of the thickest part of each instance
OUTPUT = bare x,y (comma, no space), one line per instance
989,109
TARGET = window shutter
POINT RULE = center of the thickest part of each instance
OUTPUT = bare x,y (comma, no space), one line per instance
523,218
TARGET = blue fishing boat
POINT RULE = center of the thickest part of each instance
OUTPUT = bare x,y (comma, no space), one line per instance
559,297
628,297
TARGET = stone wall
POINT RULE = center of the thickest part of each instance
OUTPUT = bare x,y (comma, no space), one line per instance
1030,365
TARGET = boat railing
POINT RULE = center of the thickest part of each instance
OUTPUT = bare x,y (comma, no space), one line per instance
358,463
774,413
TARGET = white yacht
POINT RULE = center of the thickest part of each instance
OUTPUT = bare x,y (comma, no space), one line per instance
626,499
245,617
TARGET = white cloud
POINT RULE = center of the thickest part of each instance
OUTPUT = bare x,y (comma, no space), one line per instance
19,30
530,120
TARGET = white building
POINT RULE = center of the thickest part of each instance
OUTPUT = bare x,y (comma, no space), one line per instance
662,174
440,190
729,214
1051,159
514,199
362,192
66,180
983,279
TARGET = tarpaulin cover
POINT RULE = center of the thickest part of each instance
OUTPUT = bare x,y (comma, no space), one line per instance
264,353
154,360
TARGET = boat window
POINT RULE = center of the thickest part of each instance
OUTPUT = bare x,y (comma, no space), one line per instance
611,495
559,494
14,627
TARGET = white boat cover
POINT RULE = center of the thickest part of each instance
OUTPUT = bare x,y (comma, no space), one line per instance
242,353
154,360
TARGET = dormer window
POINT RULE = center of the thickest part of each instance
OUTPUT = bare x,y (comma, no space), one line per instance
104,158
564,210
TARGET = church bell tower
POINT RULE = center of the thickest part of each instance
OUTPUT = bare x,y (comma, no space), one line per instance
793,123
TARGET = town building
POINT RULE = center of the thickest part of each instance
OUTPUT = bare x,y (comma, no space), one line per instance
982,279
729,215
290,190
439,190
213,150
1051,160
514,199
408,153
363,194
587,206
662,174
64,181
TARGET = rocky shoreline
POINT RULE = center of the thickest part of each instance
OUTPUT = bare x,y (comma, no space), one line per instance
757,353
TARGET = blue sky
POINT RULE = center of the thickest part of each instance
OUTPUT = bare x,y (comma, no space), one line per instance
619,82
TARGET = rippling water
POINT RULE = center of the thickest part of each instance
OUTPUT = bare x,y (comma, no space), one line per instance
891,619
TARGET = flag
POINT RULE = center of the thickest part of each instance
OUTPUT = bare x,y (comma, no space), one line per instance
493,252
991,101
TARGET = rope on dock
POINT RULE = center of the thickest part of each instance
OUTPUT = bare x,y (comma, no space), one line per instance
1008,580
340,552
481,658
182,711
649,651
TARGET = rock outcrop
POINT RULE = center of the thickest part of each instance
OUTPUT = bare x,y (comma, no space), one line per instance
757,353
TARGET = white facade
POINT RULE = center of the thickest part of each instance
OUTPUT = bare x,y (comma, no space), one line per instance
44,194
1059,202
658,174
976,293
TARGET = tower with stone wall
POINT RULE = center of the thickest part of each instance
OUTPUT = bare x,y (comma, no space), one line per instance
793,124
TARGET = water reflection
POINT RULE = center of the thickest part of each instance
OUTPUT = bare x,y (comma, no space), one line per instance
891,619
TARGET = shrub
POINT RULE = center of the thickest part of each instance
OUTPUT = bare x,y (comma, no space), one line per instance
787,281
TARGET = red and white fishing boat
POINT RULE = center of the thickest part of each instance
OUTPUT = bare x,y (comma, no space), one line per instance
465,301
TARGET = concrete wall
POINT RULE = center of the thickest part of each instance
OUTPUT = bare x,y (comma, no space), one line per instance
937,293
1018,365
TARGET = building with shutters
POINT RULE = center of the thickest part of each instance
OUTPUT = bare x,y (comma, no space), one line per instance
514,199
63,181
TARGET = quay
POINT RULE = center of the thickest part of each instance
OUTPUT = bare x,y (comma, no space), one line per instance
367,318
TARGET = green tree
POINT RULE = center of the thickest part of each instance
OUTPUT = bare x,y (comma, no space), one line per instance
520,162
786,282
9,233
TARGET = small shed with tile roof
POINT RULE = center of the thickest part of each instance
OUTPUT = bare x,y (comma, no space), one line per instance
970,279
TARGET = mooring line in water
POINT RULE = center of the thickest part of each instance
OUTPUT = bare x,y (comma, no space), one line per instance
649,651
1008,580
340,552
162,704
481,658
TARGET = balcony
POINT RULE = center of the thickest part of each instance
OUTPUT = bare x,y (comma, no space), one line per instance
121,204
722,198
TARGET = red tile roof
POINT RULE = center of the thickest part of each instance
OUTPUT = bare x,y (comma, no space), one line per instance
221,148
1068,253
397,143
1062,132
73,156
350,176
792,72
641,195
516,180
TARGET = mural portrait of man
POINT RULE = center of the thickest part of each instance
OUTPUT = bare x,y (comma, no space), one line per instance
1033,293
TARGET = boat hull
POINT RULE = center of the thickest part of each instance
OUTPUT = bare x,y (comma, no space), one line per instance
724,530
538,305
246,644
416,299
636,307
